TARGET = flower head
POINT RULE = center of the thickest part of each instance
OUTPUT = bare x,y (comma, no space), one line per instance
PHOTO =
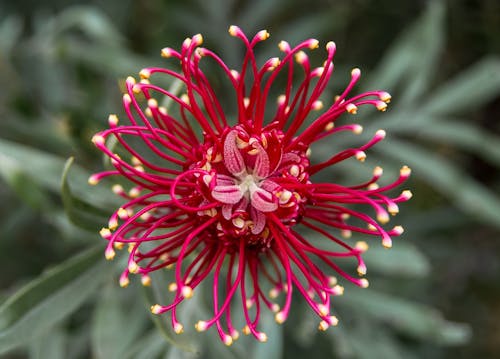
222,197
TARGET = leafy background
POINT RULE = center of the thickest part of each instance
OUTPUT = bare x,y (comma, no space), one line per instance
434,295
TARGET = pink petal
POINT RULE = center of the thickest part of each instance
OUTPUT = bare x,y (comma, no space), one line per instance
242,205
258,219
262,167
227,211
269,185
290,158
224,180
232,156
227,194
263,201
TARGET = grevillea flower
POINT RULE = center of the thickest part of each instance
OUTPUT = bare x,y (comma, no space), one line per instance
225,197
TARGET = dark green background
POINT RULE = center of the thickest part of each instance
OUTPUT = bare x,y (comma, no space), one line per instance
61,65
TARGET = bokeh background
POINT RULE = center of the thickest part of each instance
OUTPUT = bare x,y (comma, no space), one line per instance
434,295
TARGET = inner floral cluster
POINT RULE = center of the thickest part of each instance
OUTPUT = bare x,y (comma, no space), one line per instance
223,201
248,178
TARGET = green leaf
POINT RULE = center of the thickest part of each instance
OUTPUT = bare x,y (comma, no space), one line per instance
403,259
409,317
10,31
49,298
156,293
463,135
469,90
413,55
45,169
28,190
365,339
150,346
91,21
469,195
115,312
80,212
52,344
273,348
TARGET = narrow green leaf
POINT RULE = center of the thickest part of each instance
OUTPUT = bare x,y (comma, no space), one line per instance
365,339
28,190
453,131
80,212
117,323
45,169
151,346
154,294
49,298
469,195
427,50
403,259
412,56
273,348
10,30
91,21
469,90
409,317
52,344
177,353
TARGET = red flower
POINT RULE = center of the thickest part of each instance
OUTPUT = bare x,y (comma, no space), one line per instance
225,197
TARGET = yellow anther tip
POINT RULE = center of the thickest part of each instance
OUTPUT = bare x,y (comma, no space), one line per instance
152,103
378,171
133,267
187,292
93,180
228,340
109,254
361,246
387,243
399,230
166,52
355,72
380,133
112,120
98,139
361,270
358,129
145,73
124,282
201,326
323,325
323,309
407,194
383,217
233,30
130,80
330,45
351,108
262,337
385,96
364,283
405,171
146,280
178,328
381,106
361,156
280,317
314,44
198,39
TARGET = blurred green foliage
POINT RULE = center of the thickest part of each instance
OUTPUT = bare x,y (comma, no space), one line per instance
61,67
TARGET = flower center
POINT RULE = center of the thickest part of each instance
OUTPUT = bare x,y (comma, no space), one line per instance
249,185
250,178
